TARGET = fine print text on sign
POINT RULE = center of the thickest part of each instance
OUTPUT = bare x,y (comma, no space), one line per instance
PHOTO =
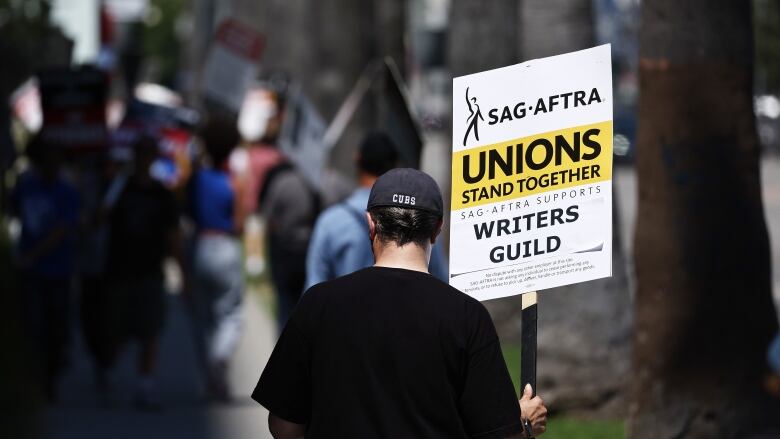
532,175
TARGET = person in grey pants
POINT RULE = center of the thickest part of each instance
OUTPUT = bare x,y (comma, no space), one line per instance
217,299
217,277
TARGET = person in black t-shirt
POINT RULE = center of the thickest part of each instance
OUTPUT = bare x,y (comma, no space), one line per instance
144,230
390,351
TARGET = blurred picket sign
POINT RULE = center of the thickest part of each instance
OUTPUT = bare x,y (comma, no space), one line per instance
302,136
382,82
233,63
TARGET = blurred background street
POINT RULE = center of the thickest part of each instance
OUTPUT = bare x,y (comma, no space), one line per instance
186,412
164,164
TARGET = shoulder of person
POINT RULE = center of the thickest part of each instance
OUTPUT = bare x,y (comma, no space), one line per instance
311,304
159,187
67,188
333,215
291,175
28,176
455,293
323,291
161,192
474,310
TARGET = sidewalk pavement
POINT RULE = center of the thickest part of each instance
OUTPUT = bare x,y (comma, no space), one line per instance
185,412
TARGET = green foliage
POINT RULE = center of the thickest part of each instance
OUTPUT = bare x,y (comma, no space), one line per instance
565,427
161,44
766,26
512,359
561,427
24,28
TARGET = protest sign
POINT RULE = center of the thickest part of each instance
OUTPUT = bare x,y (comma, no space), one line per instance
531,175
233,63
382,82
73,104
158,112
301,136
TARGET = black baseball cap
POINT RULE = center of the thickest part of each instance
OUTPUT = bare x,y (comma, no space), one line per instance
407,188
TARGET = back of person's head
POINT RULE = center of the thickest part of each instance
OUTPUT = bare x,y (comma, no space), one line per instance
277,82
43,155
406,207
36,150
377,154
402,226
146,150
220,136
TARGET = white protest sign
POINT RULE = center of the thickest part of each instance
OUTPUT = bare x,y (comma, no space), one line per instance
532,175
232,64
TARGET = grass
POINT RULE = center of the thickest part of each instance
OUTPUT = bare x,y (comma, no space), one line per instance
565,427
561,427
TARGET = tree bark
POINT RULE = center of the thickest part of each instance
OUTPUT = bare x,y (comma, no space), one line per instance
325,45
704,312
552,27
482,36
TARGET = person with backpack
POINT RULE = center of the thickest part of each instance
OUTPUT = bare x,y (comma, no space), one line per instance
339,243
290,206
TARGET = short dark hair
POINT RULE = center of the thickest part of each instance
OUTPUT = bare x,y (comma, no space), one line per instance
43,153
402,226
37,148
378,154
220,135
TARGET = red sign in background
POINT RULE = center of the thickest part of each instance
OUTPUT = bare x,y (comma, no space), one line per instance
73,103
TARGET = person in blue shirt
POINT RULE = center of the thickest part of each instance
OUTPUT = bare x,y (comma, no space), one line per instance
47,207
339,244
217,274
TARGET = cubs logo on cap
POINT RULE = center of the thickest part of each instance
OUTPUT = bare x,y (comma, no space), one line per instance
407,188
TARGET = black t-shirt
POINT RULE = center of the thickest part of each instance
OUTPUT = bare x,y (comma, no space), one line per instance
390,353
141,220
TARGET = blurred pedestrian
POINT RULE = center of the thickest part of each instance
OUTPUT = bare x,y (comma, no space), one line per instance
288,203
391,351
144,230
94,299
290,206
259,122
339,244
48,209
217,266
259,125
772,382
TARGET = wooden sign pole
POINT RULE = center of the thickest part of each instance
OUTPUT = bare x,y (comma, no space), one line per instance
528,341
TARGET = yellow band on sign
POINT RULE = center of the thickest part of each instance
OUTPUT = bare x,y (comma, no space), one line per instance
530,165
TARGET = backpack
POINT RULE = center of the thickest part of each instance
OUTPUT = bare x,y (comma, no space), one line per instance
281,168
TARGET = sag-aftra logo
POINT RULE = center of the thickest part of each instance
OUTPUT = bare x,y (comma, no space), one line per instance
519,110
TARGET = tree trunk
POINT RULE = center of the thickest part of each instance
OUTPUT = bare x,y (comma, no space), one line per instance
552,27
325,45
704,312
482,36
